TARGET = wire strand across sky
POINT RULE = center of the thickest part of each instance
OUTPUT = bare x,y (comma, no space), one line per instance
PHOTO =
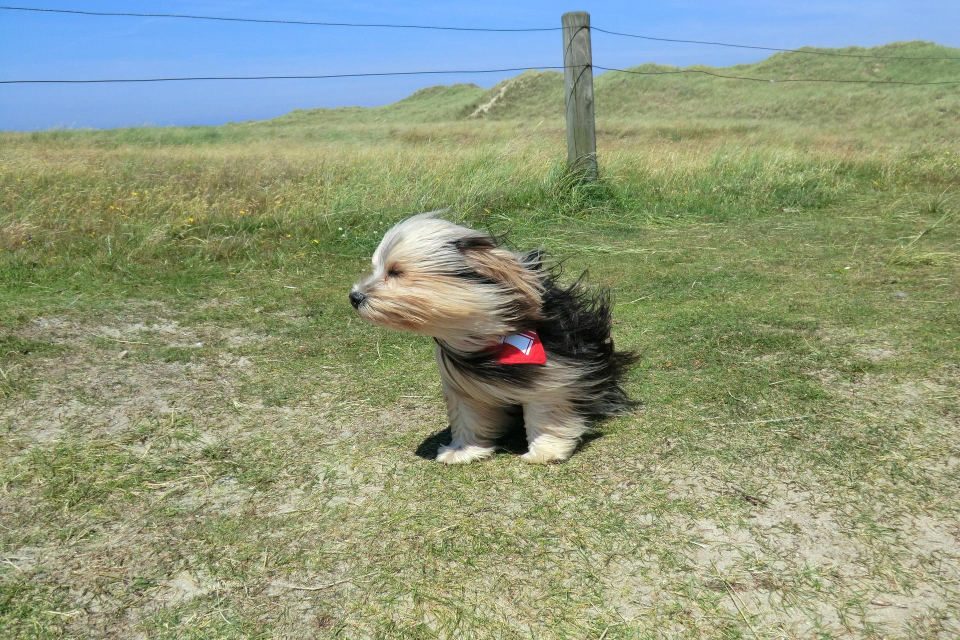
310,23
750,46
296,77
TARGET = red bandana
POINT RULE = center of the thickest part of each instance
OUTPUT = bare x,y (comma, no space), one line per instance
520,348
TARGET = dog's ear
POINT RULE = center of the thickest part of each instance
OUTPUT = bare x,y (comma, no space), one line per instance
484,256
474,243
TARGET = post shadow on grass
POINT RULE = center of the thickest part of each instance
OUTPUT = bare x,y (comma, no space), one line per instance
512,442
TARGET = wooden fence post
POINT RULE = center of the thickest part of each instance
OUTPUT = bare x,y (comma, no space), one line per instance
578,86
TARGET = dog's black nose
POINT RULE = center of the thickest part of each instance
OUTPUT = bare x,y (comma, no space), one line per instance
356,299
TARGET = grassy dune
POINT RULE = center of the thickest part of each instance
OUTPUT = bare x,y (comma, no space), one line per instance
879,112
201,440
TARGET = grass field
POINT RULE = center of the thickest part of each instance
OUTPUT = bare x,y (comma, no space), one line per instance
200,440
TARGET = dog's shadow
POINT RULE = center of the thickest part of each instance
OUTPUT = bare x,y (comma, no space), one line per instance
512,442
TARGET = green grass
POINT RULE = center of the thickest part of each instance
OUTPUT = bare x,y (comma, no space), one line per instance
201,440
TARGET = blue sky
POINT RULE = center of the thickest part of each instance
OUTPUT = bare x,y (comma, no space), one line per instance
54,46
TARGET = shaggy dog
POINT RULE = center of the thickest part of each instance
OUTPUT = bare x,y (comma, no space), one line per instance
507,336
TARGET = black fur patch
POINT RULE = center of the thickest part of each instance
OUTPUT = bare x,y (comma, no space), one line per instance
473,276
576,326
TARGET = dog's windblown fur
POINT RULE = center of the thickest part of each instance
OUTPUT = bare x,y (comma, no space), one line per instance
466,291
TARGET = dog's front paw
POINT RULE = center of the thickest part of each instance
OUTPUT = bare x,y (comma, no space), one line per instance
540,458
461,454
547,450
